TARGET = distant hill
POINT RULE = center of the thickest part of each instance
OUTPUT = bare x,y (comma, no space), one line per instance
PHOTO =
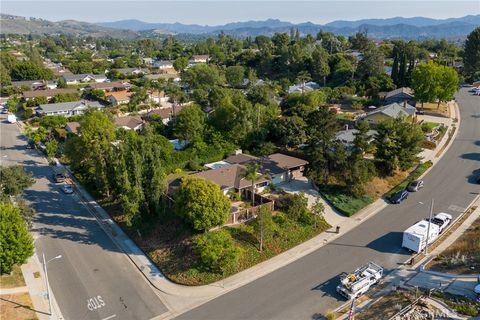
398,27
392,28
10,24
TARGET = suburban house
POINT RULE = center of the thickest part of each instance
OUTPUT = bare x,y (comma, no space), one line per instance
229,175
147,61
72,127
109,86
390,111
347,136
50,93
158,96
67,108
166,114
118,97
35,84
399,95
304,87
200,58
132,71
79,78
163,64
129,123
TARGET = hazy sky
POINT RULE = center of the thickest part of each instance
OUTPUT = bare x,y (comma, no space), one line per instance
220,12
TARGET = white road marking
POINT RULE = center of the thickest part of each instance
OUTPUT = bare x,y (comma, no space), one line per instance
95,303
110,317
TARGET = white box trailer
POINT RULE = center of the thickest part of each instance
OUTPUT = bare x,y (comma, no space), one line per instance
415,237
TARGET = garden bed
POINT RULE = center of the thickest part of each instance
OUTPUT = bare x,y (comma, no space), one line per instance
170,244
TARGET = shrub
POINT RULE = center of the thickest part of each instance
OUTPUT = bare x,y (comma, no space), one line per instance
295,207
427,144
217,251
201,203
15,242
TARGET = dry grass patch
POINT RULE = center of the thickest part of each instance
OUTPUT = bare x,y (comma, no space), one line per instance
462,256
12,280
377,187
443,110
387,306
16,307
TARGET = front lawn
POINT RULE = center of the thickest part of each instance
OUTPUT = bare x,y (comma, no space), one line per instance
428,127
12,280
344,202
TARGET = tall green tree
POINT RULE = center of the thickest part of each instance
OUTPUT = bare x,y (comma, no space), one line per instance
16,244
235,76
180,64
425,82
201,203
13,180
447,84
251,174
398,143
189,123
263,225
471,56
319,65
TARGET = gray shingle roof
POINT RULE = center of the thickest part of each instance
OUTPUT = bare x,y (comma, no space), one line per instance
68,106
394,110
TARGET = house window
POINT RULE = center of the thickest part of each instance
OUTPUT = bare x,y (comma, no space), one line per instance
263,184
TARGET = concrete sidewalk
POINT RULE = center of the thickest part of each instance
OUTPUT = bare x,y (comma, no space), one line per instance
174,295
38,290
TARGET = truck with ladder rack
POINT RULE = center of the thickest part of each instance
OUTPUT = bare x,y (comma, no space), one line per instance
358,282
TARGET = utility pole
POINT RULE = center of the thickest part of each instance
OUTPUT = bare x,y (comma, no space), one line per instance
428,228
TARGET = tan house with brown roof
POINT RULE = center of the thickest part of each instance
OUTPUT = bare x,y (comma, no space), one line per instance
129,123
118,97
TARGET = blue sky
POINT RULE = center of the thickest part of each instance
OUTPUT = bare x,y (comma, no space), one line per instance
220,12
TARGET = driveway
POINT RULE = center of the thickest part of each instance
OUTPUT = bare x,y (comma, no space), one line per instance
303,185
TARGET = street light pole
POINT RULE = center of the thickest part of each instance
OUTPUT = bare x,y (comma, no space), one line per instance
428,228
46,283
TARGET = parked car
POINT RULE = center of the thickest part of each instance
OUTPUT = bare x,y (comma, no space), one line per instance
414,186
67,189
58,177
399,196
442,220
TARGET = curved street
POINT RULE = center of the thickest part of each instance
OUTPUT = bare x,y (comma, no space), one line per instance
306,287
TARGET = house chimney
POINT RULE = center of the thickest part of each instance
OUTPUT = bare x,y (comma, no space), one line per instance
405,104
346,127
238,151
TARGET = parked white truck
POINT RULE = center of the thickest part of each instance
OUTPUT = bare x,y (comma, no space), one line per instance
415,237
11,118
358,282
442,220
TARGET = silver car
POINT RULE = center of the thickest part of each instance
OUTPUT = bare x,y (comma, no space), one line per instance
415,185
67,189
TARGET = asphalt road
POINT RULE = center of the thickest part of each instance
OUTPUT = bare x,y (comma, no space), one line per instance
92,269
306,288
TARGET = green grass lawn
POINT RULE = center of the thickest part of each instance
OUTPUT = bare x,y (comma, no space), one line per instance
339,198
427,127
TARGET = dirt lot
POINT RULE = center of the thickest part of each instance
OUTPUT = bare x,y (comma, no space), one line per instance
463,256
16,307
386,307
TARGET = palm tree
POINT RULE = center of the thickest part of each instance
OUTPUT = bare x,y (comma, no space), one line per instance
303,77
251,174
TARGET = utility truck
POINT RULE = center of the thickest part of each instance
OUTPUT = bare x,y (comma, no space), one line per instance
415,237
355,284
